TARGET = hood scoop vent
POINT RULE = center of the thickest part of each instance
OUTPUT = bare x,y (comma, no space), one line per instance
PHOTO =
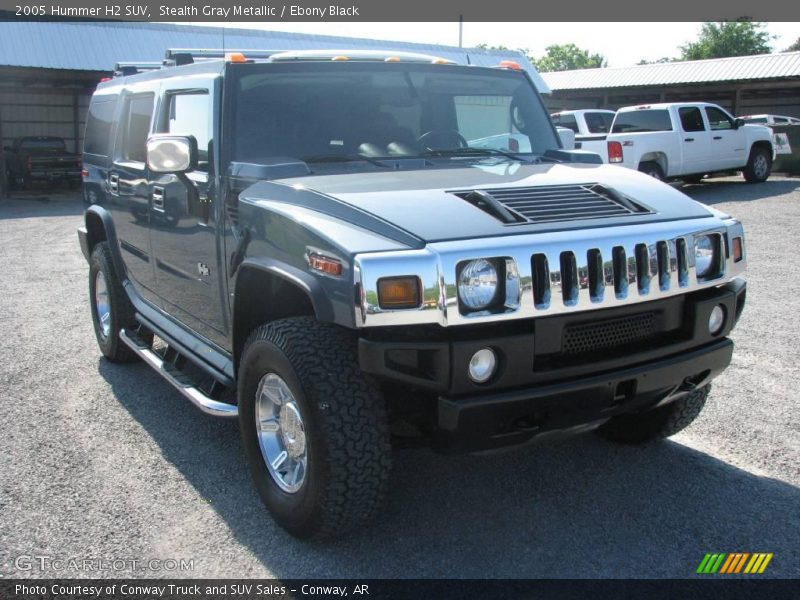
548,203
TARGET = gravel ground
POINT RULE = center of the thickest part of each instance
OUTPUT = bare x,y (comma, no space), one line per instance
107,461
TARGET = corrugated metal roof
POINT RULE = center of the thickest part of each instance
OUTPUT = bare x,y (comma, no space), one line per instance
97,46
762,66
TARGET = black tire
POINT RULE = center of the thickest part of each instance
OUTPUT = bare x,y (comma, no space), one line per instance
759,165
121,313
653,169
345,423
658,423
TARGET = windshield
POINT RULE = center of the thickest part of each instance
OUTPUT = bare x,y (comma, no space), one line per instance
42,144
319,112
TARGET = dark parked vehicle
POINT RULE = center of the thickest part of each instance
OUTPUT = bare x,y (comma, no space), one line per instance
41,159
313,243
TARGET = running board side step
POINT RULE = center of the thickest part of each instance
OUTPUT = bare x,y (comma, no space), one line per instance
195,396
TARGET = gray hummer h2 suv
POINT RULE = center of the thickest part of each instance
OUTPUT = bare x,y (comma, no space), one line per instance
349,249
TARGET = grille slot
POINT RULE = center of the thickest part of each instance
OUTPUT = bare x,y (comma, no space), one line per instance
548,203
611,333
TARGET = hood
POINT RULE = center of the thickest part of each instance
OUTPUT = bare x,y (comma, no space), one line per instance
422,202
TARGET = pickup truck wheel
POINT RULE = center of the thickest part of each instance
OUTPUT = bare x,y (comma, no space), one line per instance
653,169
759,166
658,423
314,429
110,306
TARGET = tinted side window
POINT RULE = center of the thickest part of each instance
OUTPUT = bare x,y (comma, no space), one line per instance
717,119
137,126
598,122
98,126
691,119
567,121
642,120
188,114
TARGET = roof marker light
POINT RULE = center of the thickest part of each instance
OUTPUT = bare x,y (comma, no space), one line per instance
340,57
235,57
392,59
510,64
440,61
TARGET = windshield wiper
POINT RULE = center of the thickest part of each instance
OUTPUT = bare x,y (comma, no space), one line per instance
335,158
479,151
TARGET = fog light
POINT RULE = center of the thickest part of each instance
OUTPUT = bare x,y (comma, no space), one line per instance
716,319
482,365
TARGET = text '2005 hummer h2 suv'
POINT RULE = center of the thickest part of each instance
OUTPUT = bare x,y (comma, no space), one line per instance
341,247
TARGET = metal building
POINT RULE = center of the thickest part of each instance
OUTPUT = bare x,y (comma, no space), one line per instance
48,70
766,83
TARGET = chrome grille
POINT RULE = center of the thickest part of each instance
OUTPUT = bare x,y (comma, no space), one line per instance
604,267
548,203
598,275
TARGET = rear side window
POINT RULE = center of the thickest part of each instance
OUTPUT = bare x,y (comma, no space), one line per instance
137,126
567,121
634,121
598,122
96,140
691,119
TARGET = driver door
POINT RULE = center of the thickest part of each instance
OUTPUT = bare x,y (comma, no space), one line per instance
183,221
727,143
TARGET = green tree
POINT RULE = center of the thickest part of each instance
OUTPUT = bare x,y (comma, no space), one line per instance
566,57
728,38
794,47
663,59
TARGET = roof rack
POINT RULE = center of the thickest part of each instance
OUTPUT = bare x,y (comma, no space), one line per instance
123,69
176,57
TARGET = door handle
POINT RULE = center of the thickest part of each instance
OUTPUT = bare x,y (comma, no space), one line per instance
113,183
717,137
688,140
158,198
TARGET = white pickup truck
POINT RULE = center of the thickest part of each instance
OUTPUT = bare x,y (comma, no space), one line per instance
591,126
688,141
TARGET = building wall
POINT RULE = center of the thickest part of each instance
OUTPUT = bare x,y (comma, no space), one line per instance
45,112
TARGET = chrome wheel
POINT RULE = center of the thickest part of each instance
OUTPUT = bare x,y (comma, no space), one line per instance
281,433
760,166
102,305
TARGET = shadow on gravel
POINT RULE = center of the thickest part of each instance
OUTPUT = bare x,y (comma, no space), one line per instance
577,508
717,191
20,205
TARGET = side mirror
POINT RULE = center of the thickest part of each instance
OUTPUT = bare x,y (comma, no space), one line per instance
171,153
567,137
738,123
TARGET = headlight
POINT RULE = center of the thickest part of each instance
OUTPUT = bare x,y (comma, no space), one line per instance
477,284
705,249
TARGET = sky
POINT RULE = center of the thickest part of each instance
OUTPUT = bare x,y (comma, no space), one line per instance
623,44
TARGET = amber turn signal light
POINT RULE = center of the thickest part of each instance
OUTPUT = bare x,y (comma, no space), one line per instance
331,266
737,249
399,292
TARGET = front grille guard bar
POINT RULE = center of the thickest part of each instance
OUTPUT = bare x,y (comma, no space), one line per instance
559,272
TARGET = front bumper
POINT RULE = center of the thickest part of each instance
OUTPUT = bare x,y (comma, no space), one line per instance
486,422
540,386
54,175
